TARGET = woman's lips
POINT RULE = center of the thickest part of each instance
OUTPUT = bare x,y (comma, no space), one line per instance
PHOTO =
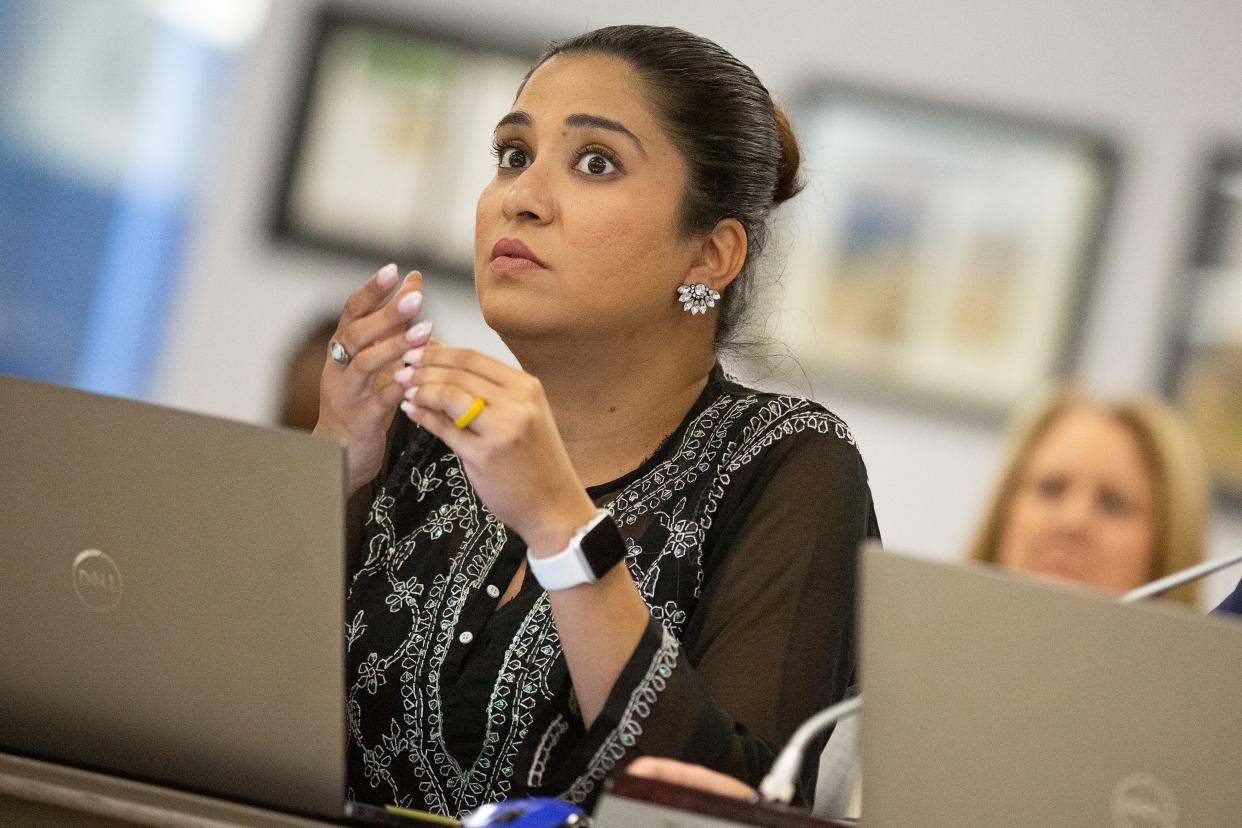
513,256
1062,564
514,264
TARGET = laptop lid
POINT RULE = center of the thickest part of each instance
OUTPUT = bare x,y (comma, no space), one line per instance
992,699
172,602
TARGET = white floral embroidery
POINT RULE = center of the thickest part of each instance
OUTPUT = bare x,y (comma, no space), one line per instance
432,545
354,629
369,675
551,735
626,734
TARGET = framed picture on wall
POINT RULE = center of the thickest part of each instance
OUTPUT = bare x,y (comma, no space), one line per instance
1205,368
383,160
939,254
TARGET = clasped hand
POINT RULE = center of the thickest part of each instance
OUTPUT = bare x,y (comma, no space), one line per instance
357,400
511,450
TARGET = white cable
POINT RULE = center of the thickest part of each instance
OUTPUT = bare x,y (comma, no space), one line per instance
780,783
1178,578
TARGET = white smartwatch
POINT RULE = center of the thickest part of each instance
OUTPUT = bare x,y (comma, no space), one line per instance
593,550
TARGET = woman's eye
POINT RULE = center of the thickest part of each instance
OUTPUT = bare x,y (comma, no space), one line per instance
513,158
595,163
1114,503
1050,488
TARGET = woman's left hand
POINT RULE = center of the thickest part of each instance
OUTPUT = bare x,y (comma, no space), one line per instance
511,451
690,776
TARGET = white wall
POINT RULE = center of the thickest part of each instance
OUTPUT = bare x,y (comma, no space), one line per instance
1163,79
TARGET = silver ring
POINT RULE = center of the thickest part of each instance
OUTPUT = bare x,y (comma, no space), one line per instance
338,353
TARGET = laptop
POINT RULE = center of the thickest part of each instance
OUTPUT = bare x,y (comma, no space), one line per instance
172,600
994,699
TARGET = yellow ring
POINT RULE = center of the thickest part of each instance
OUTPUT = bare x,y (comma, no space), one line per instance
467,418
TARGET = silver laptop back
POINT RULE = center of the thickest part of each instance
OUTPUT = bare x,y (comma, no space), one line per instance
996,700
172,599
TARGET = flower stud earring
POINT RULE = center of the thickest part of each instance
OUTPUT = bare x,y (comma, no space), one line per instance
696,298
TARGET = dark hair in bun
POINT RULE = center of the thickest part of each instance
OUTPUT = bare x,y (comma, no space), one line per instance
788,184
741,153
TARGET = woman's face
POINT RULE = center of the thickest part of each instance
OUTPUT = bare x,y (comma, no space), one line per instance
1084,506
589,187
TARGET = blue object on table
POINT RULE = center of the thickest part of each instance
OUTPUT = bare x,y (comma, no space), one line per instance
539,812
1233,603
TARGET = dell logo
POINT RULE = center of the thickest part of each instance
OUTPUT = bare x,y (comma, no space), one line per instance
1141,800
97,580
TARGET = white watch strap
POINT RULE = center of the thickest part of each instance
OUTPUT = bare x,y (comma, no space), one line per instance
569,567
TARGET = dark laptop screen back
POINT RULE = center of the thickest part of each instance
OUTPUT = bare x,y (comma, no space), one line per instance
172,597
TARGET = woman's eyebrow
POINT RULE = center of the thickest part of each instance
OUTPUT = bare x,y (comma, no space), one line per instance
581,120
578,120
517,118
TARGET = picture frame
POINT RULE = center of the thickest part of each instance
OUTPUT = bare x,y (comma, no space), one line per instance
1204,372
376,165
941,255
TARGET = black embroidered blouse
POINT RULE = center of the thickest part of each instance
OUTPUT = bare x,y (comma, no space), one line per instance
742,533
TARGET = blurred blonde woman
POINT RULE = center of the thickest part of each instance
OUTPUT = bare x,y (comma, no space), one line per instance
1110,494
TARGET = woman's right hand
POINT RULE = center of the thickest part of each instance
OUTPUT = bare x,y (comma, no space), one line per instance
357,402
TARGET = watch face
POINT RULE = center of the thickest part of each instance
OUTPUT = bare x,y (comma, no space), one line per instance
603,547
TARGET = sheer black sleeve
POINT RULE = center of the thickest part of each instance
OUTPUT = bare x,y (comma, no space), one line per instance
770,642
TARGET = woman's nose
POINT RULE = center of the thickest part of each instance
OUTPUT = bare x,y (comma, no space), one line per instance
1074,510
529,197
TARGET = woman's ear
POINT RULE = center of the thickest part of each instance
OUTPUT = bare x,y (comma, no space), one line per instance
721,256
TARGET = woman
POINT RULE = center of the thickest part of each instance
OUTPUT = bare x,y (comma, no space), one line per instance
1109,494
496,647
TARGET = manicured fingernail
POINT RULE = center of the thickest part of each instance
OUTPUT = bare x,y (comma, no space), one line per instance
413,356
387,276
410,392
403,375
410,302
408,407
419,331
